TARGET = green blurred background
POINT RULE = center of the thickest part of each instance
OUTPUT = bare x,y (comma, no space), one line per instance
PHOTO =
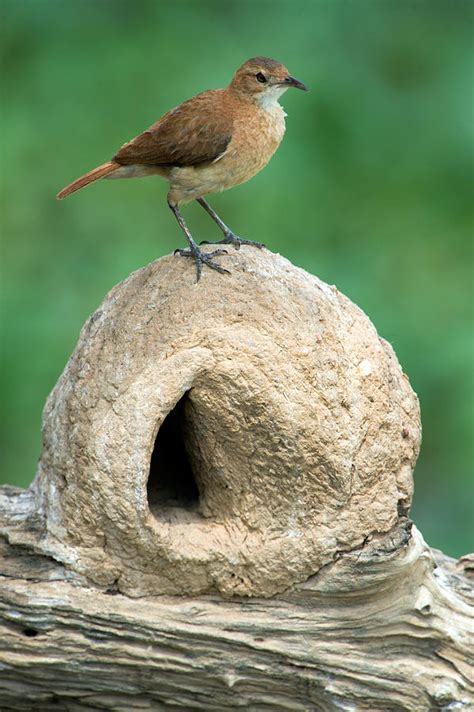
371,188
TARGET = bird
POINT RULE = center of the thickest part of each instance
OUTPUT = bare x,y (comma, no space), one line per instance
214,141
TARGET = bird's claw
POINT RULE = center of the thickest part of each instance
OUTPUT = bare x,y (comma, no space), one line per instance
231,239
201,258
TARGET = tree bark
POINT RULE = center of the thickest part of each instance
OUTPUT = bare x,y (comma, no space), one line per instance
384,627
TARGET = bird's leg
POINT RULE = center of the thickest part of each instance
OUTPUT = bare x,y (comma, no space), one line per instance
229,237
199,257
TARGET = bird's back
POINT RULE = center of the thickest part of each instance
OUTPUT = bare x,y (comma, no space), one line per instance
195,132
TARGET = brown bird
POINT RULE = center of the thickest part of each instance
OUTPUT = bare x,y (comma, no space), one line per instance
217,139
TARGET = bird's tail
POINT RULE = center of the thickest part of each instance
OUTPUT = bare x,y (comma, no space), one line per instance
96,174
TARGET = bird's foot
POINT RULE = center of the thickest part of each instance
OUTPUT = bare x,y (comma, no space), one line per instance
231,239
201,258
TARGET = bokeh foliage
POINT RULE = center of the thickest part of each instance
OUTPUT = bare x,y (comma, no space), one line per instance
371,188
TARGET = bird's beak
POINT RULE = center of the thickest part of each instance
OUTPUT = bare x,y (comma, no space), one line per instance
292,82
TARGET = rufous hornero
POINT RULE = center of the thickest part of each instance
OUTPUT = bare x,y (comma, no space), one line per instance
217,139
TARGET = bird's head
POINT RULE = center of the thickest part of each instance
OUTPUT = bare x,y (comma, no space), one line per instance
263,79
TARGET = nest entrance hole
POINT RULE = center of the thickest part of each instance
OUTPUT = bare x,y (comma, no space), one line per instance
173,491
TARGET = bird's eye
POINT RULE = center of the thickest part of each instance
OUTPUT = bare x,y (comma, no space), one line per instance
261,78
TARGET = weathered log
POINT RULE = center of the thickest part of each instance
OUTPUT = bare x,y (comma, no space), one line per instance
244,448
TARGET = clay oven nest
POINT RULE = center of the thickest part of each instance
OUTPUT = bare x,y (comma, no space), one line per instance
232,435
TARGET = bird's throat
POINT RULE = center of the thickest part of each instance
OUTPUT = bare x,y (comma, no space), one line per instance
268,99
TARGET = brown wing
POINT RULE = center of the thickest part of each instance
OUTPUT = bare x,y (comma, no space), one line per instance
196,131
